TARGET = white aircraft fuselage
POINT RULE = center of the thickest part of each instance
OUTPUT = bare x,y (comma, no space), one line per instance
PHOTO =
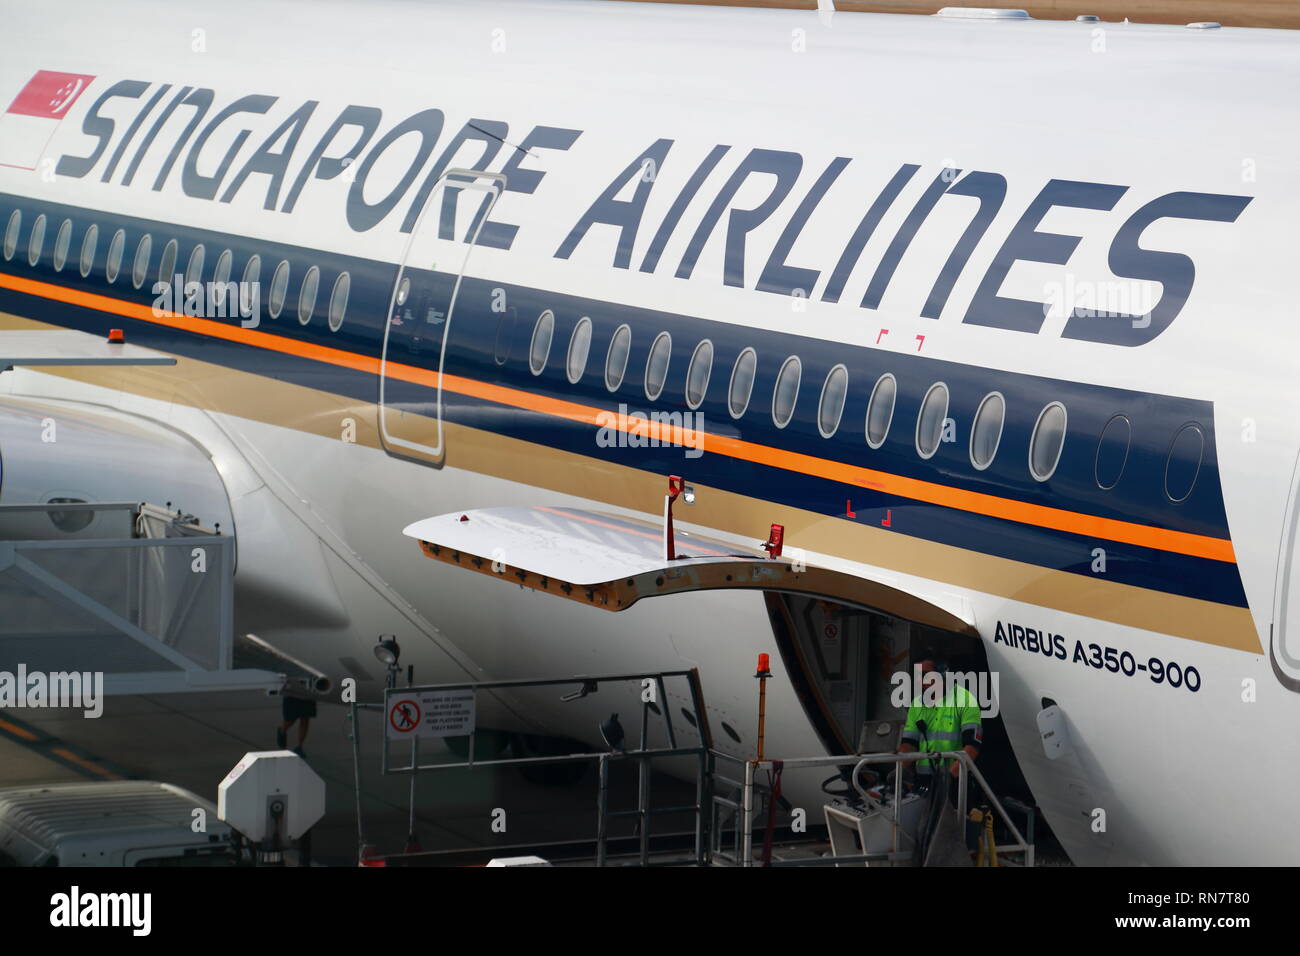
1085,221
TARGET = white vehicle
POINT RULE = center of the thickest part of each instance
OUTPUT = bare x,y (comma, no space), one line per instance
992,315
110,823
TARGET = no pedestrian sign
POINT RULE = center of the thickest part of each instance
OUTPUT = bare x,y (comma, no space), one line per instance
429,713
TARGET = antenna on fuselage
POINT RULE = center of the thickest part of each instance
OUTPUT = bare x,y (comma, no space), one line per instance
488,132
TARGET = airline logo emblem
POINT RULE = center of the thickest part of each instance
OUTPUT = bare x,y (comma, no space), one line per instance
34,115
49,94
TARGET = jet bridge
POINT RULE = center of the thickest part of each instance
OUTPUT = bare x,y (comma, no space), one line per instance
143,595
136,592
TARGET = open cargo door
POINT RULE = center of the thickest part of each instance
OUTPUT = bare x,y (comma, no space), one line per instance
611,562
841,636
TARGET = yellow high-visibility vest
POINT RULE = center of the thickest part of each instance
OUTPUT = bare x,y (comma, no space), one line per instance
945,723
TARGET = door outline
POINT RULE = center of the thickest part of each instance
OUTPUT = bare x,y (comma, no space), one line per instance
1285,668
475,180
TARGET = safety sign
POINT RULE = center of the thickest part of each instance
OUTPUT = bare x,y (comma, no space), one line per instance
428,713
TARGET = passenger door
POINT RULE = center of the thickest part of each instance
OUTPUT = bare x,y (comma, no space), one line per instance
1284,650
421,309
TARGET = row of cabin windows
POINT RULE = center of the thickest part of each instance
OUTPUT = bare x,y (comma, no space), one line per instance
1046,442
167,264
1045,445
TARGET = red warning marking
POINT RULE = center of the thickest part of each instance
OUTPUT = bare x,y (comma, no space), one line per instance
880,333
889,517
405,716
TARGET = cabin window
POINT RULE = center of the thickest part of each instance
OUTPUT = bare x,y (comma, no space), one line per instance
339,301
37,241
116,249
986,430
252,272
194,270
307,295
11,233
279,290
1112,452
62,242
507,319
929,421
220,278
786,391
656,365
143,253
540,349
742,382
880,409
579,348
831,407
252,276
225,262
698,374
620,346
1047,440
88,246
1184,462
167,265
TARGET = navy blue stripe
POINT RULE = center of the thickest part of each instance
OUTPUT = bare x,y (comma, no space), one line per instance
491,343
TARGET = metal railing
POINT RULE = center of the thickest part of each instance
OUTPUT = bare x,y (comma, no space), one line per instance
737,778
643,754
744,809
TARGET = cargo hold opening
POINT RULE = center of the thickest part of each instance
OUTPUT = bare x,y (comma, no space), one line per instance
841,636
842,660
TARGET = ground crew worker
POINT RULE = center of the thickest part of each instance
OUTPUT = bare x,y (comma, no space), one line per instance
298,710
951,722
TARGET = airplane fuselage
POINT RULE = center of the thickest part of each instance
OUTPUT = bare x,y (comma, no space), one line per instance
990,311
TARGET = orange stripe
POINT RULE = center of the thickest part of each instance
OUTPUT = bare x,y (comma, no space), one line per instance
1161,539
208,327
16,730
83,762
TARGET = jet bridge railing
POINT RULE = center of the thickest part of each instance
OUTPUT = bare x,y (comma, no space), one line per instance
747,784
